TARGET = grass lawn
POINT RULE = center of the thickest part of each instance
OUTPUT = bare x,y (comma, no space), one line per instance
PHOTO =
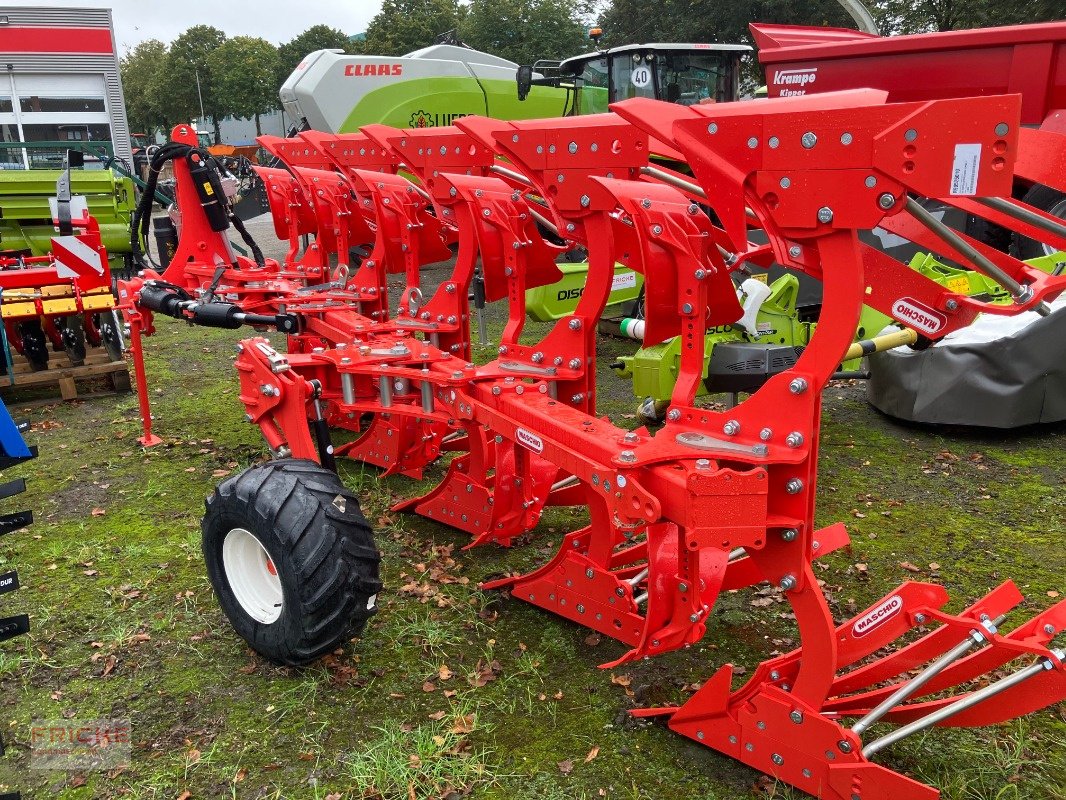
455,692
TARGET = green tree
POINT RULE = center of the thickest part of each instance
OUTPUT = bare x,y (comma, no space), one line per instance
920,16
188,76
140,69
405,25
525,30
244,73
317,37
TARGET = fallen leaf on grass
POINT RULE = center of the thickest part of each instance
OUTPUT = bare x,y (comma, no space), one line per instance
109,666
429,686
242,773
438,715
444,673
185,795
934,566
464,724
592,639
909,566
1052,594
621,680
99,512
595,751
566,767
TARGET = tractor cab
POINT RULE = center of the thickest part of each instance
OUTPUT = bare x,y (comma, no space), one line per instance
688,74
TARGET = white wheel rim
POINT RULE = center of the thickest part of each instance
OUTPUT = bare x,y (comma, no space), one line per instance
252,576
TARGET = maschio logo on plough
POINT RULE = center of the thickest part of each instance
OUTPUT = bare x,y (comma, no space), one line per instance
877,615
530,440
918,315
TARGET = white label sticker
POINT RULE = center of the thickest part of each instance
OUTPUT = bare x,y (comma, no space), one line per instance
640,77
877,615
530,440
623,280
965,168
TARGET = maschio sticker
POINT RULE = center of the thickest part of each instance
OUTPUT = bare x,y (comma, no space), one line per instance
918,315
878,615
529,440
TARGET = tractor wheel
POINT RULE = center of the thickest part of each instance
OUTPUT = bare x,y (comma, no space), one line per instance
109,323
34,344
1046,199
291,558
72,332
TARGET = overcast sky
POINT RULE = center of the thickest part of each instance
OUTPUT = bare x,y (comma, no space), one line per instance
274,20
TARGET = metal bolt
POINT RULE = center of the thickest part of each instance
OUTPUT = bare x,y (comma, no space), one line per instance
794,486
794,439
572,147
576,398
952,304
825,214
761,725
700,274
674,415
797,385
796,716
910,136
628,456
777,759
570,227
502,350
774,142
871,181
886,201
787,583
765,434
731,428
656,229
574,324
809,140
794,251
682,587
753,143
749,747
496,390
789,534
1049,629
574,363
486,212
703,463
452,192
580,609
693,209
785,183
712,128
807,773
630,438
1002,128
844,745
919,619
686,308
538,357
585,201
645,203
775,675
845,138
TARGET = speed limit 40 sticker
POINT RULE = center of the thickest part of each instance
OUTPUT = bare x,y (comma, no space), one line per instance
640,77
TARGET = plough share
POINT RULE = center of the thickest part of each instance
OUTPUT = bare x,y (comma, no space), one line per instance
714,500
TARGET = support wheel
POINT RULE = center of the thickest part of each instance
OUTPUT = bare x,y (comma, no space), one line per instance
291,558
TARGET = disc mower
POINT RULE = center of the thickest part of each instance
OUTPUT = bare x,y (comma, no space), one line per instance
713,501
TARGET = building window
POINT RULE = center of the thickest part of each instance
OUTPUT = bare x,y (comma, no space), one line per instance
61,105
5,105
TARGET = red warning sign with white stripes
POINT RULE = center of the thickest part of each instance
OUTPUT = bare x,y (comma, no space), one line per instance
77,260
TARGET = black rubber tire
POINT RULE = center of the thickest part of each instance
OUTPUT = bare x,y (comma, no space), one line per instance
1045,198
322,549
988,233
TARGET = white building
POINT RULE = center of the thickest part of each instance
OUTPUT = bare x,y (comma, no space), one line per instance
62,81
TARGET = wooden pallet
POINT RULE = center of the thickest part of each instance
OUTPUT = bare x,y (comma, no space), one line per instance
62,374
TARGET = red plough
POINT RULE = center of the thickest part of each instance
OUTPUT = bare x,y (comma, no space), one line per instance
715,500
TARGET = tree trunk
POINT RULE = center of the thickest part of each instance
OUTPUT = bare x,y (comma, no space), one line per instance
258,127
218,130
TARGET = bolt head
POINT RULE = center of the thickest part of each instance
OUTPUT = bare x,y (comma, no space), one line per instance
574,363
686,308
886,201
919,618
627,455
502,349
753,142
844,745
794,439
785,183
774,142
731,428
674,415
910,136
809,140
787,583
703,463
794,486
845,138
952,304
797,385
656,229
574,324
789,534
585,201
1049,629
712,128
796,716
766,434
777,759
538,357
825,214
795,251
700,274
645,203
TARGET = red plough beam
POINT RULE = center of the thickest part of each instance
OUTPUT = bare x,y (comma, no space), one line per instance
714,500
